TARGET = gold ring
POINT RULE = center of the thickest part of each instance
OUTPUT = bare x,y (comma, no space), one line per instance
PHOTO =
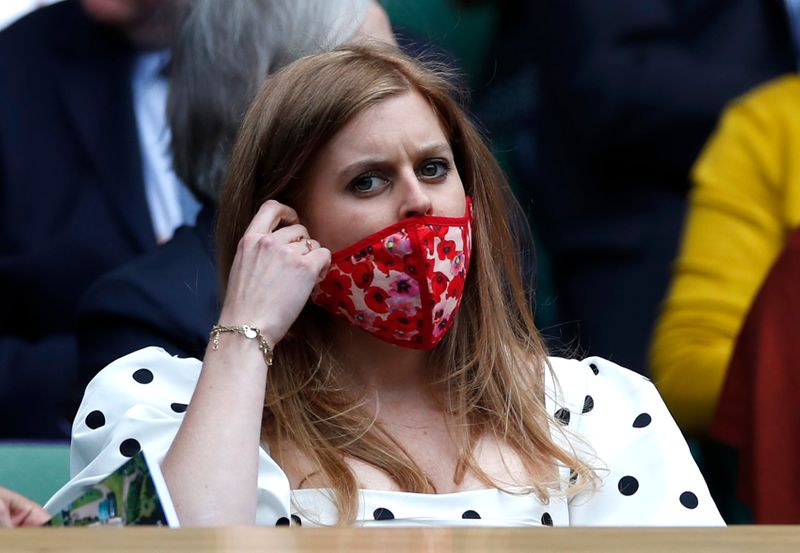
309,245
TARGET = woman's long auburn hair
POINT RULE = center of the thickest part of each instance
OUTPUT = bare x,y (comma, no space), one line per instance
489,370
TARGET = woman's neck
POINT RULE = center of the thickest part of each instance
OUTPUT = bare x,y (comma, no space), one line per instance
382,367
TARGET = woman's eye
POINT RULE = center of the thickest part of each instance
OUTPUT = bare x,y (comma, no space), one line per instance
434,169
367,183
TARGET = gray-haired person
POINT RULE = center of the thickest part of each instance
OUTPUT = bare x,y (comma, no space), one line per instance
224,52
168,297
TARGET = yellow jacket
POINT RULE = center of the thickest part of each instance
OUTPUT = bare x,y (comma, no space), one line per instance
745,201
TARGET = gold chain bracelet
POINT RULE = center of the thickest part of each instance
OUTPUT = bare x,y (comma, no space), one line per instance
246,331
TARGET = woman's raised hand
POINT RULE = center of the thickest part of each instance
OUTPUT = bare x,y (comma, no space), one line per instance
274,271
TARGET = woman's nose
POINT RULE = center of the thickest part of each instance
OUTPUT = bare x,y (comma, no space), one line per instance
416,199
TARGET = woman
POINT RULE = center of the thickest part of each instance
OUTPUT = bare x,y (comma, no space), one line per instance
399,379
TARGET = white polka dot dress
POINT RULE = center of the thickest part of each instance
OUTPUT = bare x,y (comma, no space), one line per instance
612,417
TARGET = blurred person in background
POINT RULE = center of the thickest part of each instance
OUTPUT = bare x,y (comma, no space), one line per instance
85,182
630,93
11,10
744,204
741,226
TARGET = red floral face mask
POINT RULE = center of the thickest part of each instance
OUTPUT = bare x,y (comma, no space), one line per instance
402,284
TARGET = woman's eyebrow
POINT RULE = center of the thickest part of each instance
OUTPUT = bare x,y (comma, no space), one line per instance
362,165
435,149
370,162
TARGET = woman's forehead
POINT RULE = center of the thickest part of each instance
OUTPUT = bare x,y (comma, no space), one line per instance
399,121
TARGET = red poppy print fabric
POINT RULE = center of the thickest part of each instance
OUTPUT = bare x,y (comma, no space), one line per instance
402,284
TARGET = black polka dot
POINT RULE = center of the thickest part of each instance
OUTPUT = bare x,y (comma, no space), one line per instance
179,407
562,416
628,485
573,476
689,500
129,447
382,514
642,420
296,520
588,404
547,520
143,376
95,419
283,521
470,514
594,368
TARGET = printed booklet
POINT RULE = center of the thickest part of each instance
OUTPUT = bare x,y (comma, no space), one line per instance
134,494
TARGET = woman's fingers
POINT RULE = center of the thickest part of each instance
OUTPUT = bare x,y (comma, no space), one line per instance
304,245
270,216
322,259
280,223
275,269
290,234
17,510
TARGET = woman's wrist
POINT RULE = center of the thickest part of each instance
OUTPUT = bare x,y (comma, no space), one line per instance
247,332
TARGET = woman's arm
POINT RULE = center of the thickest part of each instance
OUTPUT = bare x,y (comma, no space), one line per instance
211,468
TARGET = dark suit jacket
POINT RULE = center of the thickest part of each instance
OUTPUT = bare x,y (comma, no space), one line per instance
72,202
631,90
166,298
